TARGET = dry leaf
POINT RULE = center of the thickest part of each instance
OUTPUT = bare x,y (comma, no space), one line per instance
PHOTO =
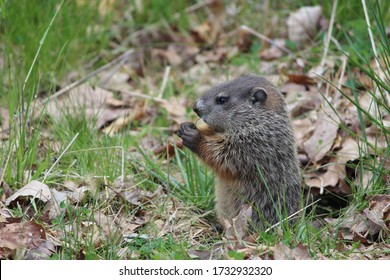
108,225
83,97
136,114
377,138
273,52
378,212
300,79
26,235
208,31
87,100
35,189
170,55
176,109
133,196
42,252
331,177
349,151
115,103
303,128
201,33
282,252
301,99
319,144
303,24
238,229
53,206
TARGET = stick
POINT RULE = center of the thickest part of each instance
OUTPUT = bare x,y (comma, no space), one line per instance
329,35
340,82
124,56
164,82
58,159
135,94
264,38
380,70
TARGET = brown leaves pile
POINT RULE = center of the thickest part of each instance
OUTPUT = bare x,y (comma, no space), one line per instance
39,239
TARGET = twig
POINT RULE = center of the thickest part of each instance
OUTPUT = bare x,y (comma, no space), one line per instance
380,70
339,84
135,94
264,38
113,71
292,215
329,35
58,159
124,56
164,83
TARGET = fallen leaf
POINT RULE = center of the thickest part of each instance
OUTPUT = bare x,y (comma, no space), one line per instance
303,128
377,138
300,98
169,54
273,52
319,144
300,79
26,235
303,24
136,114
176,108
84,99
349,151
201,33
282,252
237,230
108,225
35,189
219,55
53,206
42,252
334,171
378,212
133,196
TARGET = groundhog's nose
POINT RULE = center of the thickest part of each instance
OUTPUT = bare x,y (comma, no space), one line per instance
196,108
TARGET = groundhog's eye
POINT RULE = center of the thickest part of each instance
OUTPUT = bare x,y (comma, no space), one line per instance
221,99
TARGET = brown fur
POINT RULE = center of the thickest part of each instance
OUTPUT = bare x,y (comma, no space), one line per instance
249,143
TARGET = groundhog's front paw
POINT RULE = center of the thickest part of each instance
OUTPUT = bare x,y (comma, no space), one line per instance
190,135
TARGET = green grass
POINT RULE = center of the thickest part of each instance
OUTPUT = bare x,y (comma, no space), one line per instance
80,40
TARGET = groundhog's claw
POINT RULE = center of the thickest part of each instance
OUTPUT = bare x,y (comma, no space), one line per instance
190,135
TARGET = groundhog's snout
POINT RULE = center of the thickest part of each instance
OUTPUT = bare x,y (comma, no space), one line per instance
199,107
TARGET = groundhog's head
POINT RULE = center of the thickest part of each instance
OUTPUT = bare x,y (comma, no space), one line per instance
244,101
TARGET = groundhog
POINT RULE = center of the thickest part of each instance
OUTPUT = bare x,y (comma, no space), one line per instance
249,143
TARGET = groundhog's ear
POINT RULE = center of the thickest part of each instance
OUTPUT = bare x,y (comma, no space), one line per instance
258,95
